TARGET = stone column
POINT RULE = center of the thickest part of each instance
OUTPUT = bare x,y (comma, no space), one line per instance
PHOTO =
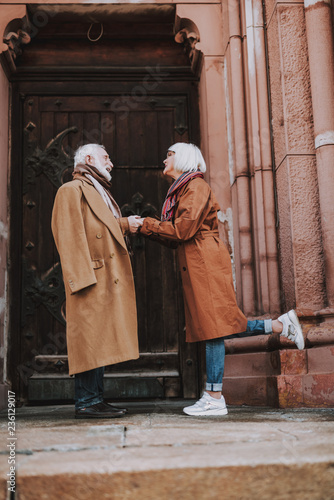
300,238
319,31
238,158
260,157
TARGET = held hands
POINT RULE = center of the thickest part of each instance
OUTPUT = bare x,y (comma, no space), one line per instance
135,222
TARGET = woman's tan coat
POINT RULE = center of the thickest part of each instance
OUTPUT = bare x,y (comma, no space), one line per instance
209,299
100,297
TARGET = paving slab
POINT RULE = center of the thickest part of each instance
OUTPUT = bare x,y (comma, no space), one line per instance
157,452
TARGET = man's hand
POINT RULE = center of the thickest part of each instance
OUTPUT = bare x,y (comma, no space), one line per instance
134,223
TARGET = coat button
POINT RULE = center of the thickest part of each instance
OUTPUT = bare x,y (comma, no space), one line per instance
99,235
116,281
184,268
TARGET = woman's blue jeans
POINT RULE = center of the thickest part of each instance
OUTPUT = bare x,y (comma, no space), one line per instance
89,388
215,352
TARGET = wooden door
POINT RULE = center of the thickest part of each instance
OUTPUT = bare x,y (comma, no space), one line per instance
136,134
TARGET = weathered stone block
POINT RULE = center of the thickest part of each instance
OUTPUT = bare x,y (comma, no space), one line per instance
318,390
296,79
320,334
290,391
252,391
293,362
253,364
306,231
321,359
311,390
301,255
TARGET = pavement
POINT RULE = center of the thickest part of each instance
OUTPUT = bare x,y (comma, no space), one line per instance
156,452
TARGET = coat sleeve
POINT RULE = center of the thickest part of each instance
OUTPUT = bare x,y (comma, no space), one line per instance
71,240
193,207
124,225
159,239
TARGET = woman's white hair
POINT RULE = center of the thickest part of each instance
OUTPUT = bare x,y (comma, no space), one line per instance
83,151
188,158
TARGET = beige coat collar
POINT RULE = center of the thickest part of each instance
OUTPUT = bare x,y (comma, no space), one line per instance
101,211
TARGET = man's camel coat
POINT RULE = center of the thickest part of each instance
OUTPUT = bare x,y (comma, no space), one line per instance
211,308
101,311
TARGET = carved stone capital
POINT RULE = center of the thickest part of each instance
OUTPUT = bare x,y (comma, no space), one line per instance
202,25
7,14
15,41
187,33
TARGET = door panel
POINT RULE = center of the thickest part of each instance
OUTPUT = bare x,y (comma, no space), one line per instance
137,134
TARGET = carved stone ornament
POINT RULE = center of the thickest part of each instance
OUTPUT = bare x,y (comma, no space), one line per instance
188,34
52,162
47,290
15,42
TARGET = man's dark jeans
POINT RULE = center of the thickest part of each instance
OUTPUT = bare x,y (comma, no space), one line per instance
89,388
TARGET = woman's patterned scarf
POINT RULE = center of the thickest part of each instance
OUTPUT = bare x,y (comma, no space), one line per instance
172,194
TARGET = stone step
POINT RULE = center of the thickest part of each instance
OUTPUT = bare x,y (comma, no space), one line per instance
252,364
156,452
285,378
263,482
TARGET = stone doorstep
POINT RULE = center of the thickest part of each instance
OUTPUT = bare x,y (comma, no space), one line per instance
264,482
158,453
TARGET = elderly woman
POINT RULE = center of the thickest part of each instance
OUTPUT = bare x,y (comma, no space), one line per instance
189,219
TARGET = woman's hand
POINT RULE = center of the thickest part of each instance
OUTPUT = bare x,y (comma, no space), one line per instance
135,222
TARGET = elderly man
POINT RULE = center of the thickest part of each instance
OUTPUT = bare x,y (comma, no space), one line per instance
100,298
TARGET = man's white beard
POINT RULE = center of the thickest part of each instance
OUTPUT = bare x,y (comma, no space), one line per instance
102,169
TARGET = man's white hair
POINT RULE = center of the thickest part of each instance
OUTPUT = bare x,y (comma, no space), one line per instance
83,151
188,158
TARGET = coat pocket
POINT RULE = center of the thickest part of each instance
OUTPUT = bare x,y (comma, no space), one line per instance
97,263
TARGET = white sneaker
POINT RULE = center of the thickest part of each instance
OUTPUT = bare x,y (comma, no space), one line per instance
207,406
292,329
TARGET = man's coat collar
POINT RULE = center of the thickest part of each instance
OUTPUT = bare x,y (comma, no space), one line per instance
101,211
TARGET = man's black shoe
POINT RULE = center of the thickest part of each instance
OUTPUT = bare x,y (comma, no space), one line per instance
125,410
99,410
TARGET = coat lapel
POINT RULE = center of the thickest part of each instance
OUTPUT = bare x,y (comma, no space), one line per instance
101,211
